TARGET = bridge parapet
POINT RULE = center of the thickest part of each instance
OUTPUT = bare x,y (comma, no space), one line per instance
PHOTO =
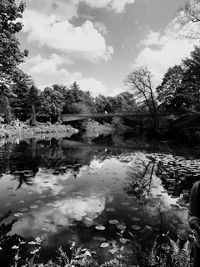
75,117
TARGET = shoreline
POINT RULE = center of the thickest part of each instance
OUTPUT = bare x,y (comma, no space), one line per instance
19,131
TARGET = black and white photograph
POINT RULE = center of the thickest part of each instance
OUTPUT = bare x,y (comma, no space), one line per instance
99,133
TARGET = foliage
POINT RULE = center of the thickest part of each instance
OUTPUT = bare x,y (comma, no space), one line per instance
179,89
167,252
77,101
192,10
170,93
51,103
19,100
10,54
191,78
139,81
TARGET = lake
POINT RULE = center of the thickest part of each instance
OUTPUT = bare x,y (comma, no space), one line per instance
109,194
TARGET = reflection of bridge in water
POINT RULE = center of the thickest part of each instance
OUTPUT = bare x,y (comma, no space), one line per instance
77,117
136,145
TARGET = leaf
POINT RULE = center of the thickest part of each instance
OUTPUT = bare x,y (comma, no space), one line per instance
121,227
100,227
135,227
33,206
110,209
104,245
124,240
18,214
135,219
113,221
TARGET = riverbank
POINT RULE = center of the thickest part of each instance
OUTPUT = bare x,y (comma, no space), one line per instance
22,130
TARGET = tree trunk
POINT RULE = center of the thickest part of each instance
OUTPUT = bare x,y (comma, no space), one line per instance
33,116
7,111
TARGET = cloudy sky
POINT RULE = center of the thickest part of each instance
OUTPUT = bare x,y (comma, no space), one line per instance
99,42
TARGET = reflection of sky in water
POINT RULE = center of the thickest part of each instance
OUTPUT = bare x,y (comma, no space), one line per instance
56,202
60,213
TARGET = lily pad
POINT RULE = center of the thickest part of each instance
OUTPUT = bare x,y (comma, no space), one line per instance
33,206
18,214
100,227
113,221
135,227
110,209
135,219
104,245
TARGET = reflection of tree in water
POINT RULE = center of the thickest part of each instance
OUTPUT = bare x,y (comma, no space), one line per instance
5,152
139,179
23,177
23,160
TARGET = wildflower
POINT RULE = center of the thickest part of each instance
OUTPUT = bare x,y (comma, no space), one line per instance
87,254
35,251
39,239
17,257
32,243
15,247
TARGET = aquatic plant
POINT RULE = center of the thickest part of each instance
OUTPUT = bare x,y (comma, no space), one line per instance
167,252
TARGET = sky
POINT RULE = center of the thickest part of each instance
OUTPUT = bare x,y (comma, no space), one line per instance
99,42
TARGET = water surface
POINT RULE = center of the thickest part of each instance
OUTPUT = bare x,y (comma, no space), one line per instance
109,190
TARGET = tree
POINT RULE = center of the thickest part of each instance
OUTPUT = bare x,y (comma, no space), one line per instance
191,78
192,10
102,104
77,101
52,102
139,81
18,100
7,110
10,54
180,88
171,93
33,103
189,17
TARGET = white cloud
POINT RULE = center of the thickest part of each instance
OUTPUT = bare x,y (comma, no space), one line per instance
79,42
62,8
115,5
94,86
62,212
53,71
101,27
164,50
48,65
68,9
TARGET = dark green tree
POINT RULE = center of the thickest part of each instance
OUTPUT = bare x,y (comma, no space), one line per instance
77,100
52,102
191,79
103,104
171,92
19,98
180,88
10,54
